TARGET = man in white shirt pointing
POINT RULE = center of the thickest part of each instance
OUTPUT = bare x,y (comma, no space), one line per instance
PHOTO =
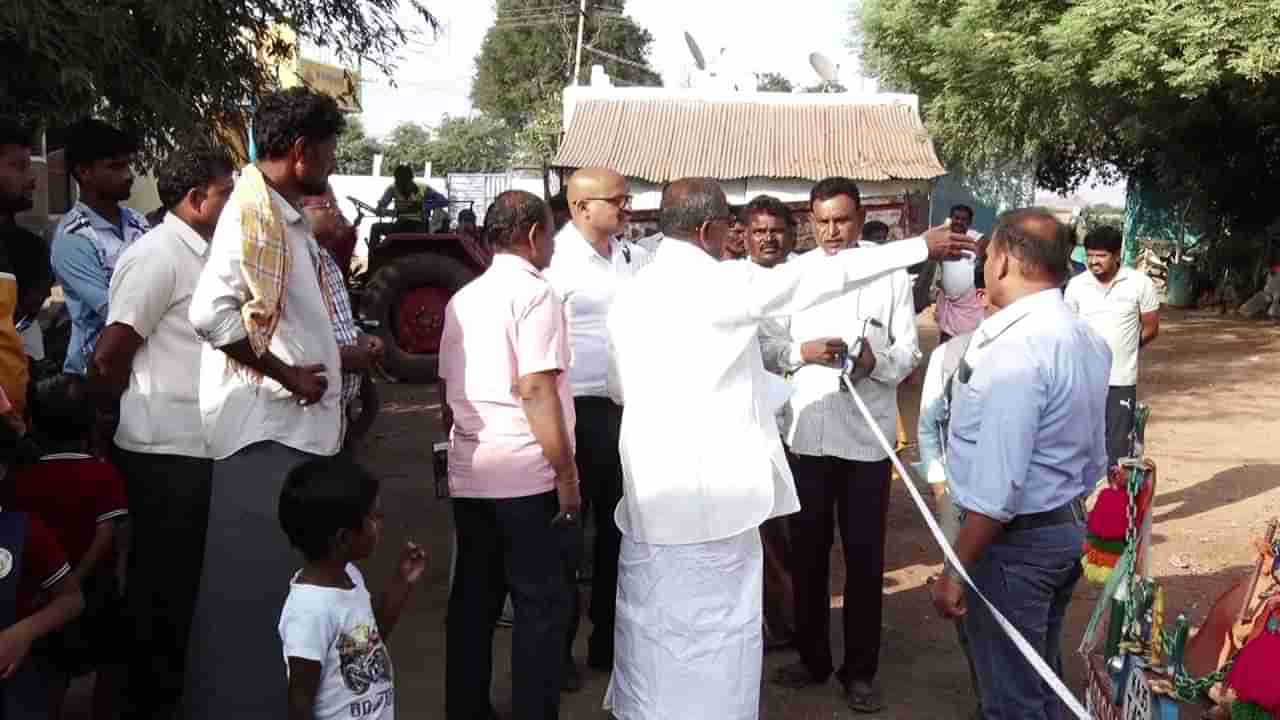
702,459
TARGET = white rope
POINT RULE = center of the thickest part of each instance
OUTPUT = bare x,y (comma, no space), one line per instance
1042,669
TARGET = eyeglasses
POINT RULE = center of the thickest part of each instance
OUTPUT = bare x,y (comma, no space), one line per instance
622,202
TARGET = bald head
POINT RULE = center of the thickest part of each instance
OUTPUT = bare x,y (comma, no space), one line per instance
595,182
599,202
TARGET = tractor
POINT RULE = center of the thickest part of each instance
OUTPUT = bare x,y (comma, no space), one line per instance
402,294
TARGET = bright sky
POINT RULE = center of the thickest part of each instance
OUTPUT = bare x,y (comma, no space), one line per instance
760,36
434,77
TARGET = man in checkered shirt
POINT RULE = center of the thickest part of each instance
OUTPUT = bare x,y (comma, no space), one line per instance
359,352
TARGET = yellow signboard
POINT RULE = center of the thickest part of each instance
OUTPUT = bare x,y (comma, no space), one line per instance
342,84
295,69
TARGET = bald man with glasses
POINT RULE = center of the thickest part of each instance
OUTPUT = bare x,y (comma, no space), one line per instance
591,262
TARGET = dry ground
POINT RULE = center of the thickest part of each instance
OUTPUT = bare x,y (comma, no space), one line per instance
1209,382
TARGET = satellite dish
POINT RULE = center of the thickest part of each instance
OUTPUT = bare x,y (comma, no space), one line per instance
696,51
829,72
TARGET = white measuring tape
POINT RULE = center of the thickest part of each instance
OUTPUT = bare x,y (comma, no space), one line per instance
1041,667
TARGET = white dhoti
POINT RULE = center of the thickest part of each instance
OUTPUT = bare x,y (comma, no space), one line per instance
688,634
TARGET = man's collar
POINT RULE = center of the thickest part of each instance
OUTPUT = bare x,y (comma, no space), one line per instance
576,243
190,237
288,213
683,251
514,262
96,221
1121,274
1018,309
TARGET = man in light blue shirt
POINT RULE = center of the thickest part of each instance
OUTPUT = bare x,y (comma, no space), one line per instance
94,233
1026,443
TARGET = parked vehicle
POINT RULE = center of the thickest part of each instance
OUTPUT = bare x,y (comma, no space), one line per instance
404,290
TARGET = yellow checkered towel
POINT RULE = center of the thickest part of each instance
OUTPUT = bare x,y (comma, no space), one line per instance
265,260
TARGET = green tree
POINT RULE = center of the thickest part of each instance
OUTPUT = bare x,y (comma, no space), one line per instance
356,149
773,82
476,144
1184,95
407,144
826,87
161,68
528,55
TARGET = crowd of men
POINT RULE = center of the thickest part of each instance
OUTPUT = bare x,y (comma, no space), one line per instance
697,385
218,349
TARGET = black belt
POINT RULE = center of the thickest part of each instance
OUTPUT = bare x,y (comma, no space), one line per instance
1072,512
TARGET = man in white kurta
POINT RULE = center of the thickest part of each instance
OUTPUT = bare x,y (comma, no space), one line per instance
702,460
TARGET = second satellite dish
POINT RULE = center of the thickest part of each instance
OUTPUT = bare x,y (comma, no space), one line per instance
828,71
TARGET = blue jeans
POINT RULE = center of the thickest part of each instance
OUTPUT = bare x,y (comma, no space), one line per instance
1028,575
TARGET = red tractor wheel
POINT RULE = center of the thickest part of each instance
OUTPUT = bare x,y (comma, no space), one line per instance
420,319
408,297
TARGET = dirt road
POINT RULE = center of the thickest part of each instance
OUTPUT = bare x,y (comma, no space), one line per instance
1213,386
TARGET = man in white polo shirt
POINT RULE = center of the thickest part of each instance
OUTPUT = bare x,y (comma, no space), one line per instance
589,265
145,362
1122,306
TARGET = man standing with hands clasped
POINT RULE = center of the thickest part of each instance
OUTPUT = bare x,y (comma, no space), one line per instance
702,459
1026,443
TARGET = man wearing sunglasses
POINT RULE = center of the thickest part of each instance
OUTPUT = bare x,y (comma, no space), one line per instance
702,457
1026,442
590,263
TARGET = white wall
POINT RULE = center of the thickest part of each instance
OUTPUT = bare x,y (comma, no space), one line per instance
369,189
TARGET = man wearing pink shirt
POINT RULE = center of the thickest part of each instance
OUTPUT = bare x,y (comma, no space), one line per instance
504,362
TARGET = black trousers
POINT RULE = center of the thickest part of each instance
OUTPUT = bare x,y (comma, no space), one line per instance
1121,402
857,495
509,545
169,516
599,423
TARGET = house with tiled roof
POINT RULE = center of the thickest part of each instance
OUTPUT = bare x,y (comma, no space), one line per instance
756,142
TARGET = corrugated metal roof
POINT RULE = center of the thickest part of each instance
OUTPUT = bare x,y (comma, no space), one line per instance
662,140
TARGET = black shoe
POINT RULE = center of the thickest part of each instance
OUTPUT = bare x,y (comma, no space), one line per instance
572,678
796,676
863,697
